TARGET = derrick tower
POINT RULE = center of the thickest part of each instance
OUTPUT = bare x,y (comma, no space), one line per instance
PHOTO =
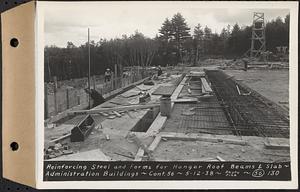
258,39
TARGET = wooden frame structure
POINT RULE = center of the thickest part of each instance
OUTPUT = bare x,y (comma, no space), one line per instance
258,39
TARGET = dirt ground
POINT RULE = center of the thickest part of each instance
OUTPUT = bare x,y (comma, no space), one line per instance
177,150
117,146
273,84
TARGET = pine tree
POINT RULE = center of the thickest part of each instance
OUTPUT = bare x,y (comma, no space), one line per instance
198,42
180,33
165,44
166,30
198,32
207,40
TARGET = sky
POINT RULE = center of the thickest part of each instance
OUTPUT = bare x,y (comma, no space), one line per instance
65,22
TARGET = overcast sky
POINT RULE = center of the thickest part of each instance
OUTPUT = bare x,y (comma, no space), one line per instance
69,22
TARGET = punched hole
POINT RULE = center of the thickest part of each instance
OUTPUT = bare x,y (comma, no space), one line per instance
14,146
14,42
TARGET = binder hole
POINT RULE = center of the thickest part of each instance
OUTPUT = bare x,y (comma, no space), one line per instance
14,146
14,42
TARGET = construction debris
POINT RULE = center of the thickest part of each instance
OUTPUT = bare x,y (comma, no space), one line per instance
82,130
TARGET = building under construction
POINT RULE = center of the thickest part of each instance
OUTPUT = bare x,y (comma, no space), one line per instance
218,111
185,114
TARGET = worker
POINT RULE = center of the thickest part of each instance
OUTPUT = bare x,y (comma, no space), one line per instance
107,75
245,64
159,71
96,97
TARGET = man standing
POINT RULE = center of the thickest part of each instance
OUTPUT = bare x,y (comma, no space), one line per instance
245,64
159,71
107,75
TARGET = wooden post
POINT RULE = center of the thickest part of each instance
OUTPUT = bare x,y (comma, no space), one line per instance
112,82
120,75
67,97
94,82
116,70
54,94
78,98
116,77
46,101
89,75
131,75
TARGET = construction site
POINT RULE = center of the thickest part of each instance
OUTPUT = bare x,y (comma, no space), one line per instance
215,110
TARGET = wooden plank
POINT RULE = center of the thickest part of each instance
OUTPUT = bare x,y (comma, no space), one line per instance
122,108
159,121
276,146
196,74
238,89
155,143
190,160
205,85
277,154
189,100
140,144
117,114
156,125
220,158
60,138
139,155
195,137
178,89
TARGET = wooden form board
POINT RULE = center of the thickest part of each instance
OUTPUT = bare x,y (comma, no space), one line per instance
194,137
123,108
185,137
205,85
159,121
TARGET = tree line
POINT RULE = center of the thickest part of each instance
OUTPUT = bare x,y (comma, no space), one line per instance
175,43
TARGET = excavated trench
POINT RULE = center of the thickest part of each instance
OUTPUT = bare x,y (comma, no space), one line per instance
145,122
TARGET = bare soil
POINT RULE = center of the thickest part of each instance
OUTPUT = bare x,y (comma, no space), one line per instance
176,150
273,84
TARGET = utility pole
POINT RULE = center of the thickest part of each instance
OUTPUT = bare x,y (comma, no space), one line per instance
89,75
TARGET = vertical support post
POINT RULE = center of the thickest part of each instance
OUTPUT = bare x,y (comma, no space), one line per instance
78,98
67,97
46,115
94,82
54,94
116,77
112,82
89,56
